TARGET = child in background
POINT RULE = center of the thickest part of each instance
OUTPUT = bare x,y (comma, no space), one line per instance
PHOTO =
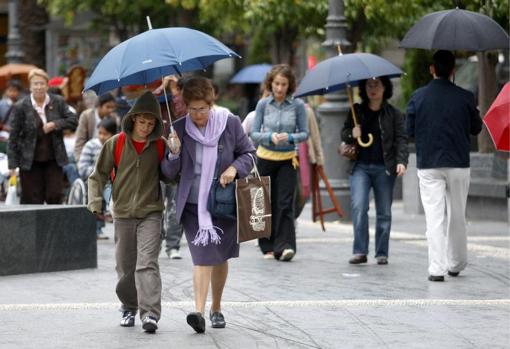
107,129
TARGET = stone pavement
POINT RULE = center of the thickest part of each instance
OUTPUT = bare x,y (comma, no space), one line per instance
316,301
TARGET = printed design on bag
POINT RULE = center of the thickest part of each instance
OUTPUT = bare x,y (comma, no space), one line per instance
258,208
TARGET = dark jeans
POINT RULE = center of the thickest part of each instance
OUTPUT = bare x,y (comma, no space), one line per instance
172,229
283,184
42,183
364,177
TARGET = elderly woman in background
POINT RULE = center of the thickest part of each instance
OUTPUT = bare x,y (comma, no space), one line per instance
207,135
280,124
36,142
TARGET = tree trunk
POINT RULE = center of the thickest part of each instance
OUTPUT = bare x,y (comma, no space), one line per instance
31,19
283,46
487,91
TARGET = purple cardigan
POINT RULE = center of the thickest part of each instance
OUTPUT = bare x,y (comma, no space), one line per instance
236,150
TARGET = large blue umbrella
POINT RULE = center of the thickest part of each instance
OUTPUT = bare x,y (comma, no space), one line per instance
336,73
252,74
153,54
344,71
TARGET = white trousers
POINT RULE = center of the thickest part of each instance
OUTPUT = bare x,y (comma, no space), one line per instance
444,194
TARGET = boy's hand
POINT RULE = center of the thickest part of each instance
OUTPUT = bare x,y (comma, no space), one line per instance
174,144
228,176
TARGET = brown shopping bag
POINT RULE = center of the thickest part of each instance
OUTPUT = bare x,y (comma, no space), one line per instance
253,197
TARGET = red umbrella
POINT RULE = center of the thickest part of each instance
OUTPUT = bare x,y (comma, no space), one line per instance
497,119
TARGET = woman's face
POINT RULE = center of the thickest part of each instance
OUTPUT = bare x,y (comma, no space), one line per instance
375,89
279,87
143,125
38,87
199,112
103,135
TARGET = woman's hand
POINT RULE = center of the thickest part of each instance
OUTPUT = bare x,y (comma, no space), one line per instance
356,132
173,143
401,170
283,137
228,176
49,127
274,138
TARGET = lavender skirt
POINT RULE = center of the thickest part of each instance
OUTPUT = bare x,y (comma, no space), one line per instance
211,254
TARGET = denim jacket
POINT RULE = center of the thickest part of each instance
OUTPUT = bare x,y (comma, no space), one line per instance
288,116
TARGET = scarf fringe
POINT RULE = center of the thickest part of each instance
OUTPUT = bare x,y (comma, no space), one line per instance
203,235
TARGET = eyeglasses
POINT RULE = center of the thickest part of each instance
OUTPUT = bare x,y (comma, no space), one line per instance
203,110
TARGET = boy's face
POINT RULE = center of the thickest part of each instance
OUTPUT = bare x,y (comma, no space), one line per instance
103,135
106,109
143,125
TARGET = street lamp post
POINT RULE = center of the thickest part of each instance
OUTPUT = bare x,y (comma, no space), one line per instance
333,113
14,52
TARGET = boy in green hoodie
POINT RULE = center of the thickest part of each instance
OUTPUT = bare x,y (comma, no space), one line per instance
137,208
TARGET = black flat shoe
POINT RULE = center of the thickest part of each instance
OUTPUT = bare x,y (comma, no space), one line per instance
436,278
217,320
197,321
358,259
453,273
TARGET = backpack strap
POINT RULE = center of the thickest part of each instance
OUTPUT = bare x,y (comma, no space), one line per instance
160,144
117,153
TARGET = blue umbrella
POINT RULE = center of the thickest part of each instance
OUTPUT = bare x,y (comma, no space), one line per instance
336,73
252,74
344,71
153,54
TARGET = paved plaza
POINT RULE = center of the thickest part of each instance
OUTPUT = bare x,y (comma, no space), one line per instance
316,301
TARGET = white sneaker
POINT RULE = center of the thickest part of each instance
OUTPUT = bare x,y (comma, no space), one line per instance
174,254
287,254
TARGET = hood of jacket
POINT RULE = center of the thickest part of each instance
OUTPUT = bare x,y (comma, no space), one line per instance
145,104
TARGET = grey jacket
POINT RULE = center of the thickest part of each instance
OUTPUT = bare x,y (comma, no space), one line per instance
23,135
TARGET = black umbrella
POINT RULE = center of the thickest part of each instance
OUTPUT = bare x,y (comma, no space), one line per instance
456,30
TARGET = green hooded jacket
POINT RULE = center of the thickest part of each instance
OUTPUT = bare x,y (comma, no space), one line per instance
136,191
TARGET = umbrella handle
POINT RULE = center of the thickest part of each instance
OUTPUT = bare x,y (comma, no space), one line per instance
355,119
366,144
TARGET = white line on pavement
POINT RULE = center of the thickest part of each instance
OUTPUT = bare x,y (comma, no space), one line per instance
253,304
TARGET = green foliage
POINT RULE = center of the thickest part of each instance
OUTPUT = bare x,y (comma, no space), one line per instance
125,17
416,66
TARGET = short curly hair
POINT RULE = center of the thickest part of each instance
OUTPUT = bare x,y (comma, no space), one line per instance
388,88
197,88
284,70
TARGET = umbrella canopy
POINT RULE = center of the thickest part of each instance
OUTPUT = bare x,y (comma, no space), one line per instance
15,69
153,54
336,73
456,30
497,119
252,74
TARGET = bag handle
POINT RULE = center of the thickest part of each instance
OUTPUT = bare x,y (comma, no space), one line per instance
255,169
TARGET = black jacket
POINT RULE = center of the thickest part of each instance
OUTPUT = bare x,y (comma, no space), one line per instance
23,135
393,135
440,117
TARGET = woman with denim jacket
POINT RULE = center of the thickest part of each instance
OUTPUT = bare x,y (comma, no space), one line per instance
280,123
376,166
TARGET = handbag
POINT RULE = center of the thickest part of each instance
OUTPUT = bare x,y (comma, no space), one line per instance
350,151
253,197
221,202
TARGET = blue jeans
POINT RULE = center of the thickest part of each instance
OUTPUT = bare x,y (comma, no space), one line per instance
364,177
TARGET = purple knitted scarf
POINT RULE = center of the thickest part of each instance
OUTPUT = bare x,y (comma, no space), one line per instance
215,126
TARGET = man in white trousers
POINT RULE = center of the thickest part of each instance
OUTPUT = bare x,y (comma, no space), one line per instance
441,117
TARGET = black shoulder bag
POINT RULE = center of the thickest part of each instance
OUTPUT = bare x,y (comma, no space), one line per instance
221,202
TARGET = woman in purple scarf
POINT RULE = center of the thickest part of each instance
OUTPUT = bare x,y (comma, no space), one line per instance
201,138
